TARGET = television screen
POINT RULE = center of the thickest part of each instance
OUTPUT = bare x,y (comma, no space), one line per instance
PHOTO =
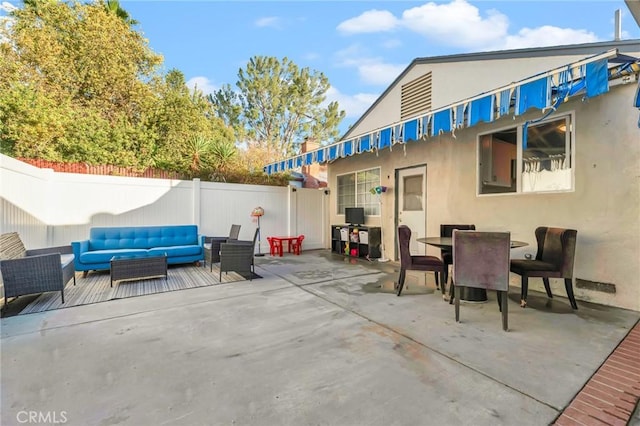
354,215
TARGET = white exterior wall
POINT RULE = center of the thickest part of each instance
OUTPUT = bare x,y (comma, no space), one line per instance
604,207
50,209
288,211
25,209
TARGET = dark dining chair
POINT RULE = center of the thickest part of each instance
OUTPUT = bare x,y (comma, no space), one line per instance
212,246
415,263
554,259
447,253
481,260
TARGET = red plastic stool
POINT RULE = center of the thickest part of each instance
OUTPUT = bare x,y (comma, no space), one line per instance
296,245
275,246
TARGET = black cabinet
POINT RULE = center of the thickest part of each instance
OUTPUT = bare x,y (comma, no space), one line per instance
356,241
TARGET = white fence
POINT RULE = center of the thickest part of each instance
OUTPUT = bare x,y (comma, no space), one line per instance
49,208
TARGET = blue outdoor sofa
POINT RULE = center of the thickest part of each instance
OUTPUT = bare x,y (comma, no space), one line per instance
180,243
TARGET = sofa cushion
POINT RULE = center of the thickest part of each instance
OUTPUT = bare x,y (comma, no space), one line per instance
11,246
142,237
105,256
176,251
66,259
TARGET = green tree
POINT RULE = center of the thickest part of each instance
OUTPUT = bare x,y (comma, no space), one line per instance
224,155
79,84
278,105
113,6
198,147
187,128
74,85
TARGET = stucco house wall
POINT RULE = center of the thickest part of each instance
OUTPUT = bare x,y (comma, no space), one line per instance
604,205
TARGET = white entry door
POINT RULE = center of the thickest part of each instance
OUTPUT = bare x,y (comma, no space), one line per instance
412,205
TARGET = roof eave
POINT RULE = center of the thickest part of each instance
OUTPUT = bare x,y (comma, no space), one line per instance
500,54
634,8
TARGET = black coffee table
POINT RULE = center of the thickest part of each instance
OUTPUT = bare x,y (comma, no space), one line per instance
136,268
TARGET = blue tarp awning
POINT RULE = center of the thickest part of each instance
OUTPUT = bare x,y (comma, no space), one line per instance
545,91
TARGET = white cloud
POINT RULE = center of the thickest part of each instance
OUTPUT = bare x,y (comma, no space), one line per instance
393,43
269,21
371,21
203,84
311,56
346,56
462,25
547,36
5,21
7,7
372,70
353,105
456,24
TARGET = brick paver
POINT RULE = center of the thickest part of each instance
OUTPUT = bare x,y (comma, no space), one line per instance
612,394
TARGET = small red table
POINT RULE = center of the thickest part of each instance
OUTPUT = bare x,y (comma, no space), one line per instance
280,240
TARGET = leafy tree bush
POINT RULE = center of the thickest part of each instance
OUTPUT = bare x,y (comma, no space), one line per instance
277,106
79,84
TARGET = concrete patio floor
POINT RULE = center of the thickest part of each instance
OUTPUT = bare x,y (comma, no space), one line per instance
319,340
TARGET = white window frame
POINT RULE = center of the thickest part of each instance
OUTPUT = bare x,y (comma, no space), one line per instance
570,148
370,204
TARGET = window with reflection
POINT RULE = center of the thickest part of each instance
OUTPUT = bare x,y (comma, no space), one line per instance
546,157
527,158
354,190
498,154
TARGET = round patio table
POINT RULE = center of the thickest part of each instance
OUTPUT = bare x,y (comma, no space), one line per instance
469,294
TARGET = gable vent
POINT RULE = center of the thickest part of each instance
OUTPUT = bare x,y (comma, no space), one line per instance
416,97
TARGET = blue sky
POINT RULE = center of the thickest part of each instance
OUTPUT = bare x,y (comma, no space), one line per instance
361,46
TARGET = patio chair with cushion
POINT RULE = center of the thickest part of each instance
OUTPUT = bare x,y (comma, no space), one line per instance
212,246
554,259
415,263
33,271
481,260
237,256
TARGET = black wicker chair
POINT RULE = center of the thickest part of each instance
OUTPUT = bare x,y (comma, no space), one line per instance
212,246
237,256
39,271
